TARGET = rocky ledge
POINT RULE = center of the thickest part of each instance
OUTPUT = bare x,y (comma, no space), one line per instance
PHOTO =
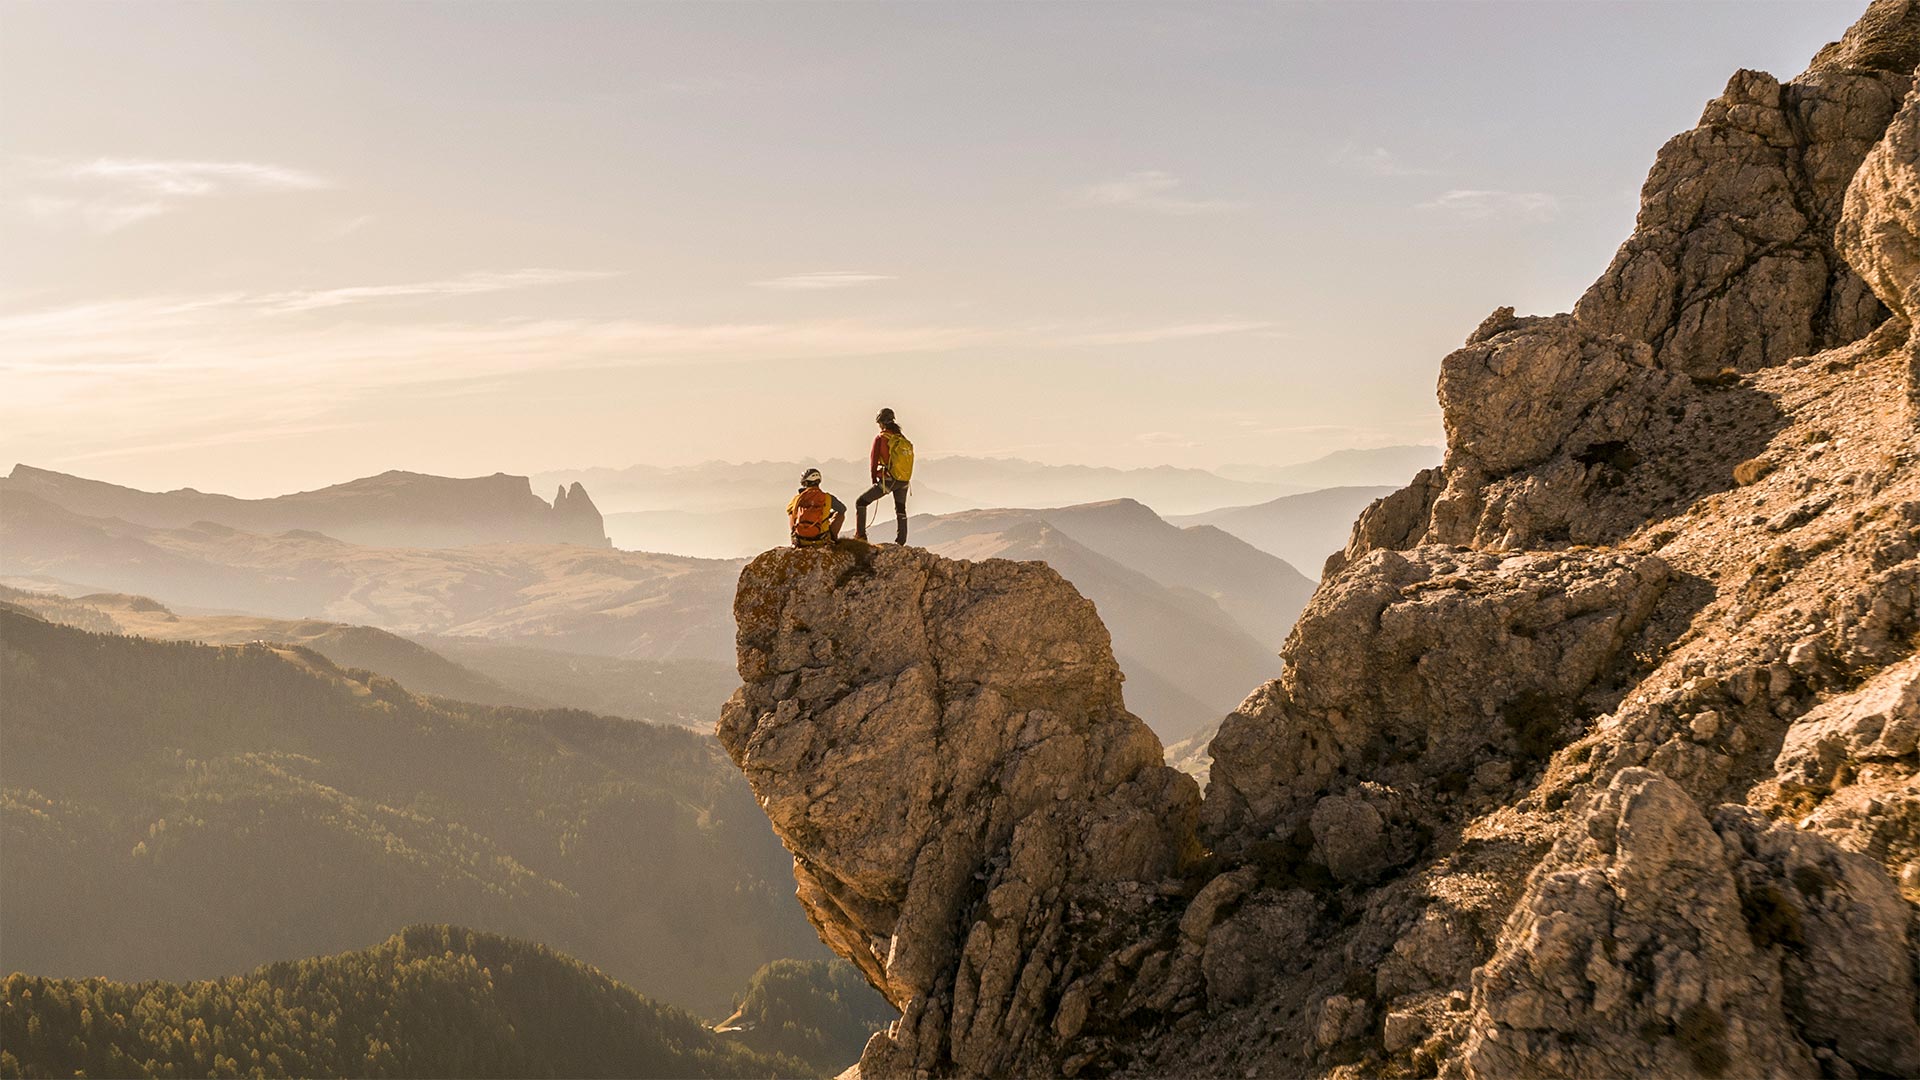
943,747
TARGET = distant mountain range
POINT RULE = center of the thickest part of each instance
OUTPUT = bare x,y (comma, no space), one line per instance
1196,615
1388,466
724,510
941,484
393,509
177,810
684,692
1302,529
567,597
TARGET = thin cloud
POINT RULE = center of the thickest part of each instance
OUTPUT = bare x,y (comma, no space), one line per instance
485,281
1376,161
226,436
106,195
1164,438
343,228
155,370
1166,333
1478,205
184,179
93,215
823,279
162,344
1152,191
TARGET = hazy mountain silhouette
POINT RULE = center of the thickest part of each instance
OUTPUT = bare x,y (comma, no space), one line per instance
176,810
684,692
1302,529
419,668
393,509
1196,613
1177,647
941,485
709,534
1260,592
567,597
1384,465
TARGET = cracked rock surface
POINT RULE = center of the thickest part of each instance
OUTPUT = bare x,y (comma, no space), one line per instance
944,748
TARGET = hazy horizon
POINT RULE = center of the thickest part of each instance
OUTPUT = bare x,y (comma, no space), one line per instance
259,249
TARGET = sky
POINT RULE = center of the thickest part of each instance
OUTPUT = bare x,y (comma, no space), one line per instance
257,248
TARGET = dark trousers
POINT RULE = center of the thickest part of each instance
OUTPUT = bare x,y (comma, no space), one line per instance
899,510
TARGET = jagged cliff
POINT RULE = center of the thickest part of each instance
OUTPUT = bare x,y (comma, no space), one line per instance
1596,750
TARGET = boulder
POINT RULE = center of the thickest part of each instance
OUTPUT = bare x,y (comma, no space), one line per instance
1416,666
1876,726
1516,397
1840,930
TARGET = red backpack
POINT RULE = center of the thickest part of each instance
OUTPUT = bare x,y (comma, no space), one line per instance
812,509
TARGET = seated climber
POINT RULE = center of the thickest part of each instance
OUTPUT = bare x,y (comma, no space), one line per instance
814,517
891,464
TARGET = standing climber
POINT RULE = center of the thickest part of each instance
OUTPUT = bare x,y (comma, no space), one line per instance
890,464
813,516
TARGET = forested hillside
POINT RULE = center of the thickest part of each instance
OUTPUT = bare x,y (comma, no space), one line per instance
820,1011
179,811
431,1001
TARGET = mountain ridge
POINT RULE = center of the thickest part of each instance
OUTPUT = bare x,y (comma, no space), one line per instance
180,810
1301,529
395,508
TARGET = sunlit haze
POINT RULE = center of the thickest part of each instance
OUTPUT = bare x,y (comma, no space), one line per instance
257,248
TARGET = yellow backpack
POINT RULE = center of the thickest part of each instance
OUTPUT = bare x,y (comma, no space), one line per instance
899,458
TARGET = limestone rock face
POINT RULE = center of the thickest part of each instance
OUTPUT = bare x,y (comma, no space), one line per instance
1515,397
1856,760
1546,421
943,747
1880,230
1648,943
1417,665
1732,262
1875,728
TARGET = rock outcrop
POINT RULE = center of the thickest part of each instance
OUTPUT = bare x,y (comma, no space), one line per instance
944,748
1880,230
1415,668
1595,751
1652,942
1733,262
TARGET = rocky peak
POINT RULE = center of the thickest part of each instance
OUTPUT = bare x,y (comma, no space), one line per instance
1732,262
573,502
